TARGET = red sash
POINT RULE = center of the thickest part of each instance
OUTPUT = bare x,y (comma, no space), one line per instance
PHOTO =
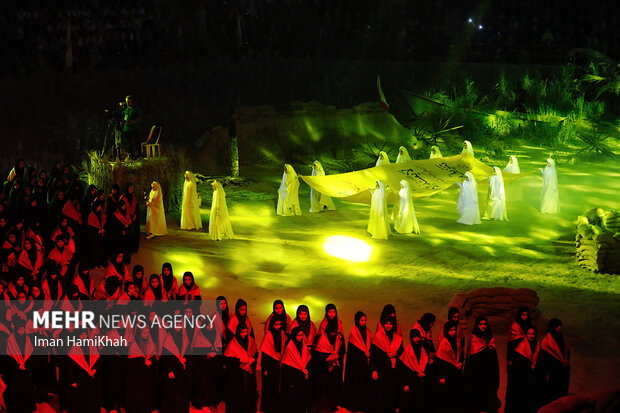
94,221
151,351
410,360
111,271
244,356
24,261
171,346
292,357
516,332
269,348
13,350
550,346
194,292
446,353
478,344
70,211
525,350
79,283
125,220
382,341
355,338
77,354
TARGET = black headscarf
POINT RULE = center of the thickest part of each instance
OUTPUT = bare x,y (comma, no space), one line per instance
276,334
486,335
331,331
533,342
84,275
298,344
243,342
331,323
53,283
452,340
362,329
18,322
304,325
167,279
525,325
129,196
559,338
426,321
190,275
389,309
224,314
240,303
32,253
282,317
157,292
417,348
119,266
139,282
390,319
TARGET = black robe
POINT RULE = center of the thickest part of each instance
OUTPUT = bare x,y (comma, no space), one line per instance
295,390
326,381
356,379
557,375
382,392
241,394
174,392
417,399
19,395
141,381
86,396
481,380
525,385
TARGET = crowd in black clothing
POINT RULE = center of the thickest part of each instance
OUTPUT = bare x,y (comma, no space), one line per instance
302,367
116,33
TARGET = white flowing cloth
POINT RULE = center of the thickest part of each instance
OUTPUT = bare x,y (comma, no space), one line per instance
468,148
219,221
382,159
468,201
155,214
288,193
318,201
496,202
190,207
403,155
405,222
378,224
435,152
550,197
513,166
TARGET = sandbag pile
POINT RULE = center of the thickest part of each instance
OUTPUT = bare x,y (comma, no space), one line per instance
499,304
598,241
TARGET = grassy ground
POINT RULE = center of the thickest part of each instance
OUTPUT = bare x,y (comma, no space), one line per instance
282,257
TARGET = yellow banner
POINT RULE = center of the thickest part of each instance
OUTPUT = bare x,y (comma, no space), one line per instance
426,177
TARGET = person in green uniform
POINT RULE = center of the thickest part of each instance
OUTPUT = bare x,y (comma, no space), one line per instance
131,128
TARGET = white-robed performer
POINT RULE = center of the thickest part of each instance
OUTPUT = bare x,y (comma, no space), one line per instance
318,201
468,148
516,191
496,198
550,197
405,221
288,193
435,152
190,207
403,155
382,159
513,165
468,201
155,214
378,224
219,221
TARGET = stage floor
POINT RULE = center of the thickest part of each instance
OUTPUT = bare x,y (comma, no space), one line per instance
282,257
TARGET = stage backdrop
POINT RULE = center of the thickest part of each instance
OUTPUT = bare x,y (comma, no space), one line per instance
426,177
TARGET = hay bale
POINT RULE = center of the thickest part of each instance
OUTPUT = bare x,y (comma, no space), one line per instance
597,241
